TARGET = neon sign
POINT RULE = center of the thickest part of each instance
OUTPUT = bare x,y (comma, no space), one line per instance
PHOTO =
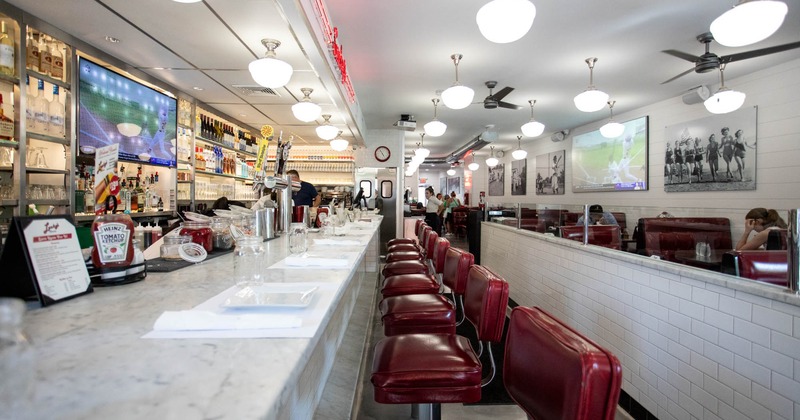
330,35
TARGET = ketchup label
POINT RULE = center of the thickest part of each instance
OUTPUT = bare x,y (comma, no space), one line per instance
111,242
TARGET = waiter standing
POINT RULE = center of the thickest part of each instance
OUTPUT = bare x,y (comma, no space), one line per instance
432,211
307,194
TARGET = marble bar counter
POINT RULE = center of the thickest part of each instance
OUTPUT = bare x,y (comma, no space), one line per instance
92,362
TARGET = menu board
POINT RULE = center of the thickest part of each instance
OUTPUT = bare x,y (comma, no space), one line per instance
44,260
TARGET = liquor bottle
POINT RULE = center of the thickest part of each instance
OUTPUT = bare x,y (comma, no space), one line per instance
6,124
134,198
41,110
56,126
140,197
32,55
89,197
6,52
56,60
45,60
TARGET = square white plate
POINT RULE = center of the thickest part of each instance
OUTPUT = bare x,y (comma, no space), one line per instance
272,296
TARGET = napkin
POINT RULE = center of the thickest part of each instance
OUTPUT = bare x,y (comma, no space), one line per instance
204,321
336,242
315,262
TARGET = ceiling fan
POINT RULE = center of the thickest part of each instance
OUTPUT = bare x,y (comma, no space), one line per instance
495,100
710,61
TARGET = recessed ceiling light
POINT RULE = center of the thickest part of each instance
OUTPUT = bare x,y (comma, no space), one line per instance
112,40
158,68
197,88
187,1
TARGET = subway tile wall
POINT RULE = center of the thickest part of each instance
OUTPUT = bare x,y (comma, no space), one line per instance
690,348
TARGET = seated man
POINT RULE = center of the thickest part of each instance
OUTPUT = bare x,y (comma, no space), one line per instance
598,217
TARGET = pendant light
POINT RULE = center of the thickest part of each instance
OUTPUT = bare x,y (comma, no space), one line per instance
339,144
591,99
451,171
532,128
457,96
421,150
327,131
269,71
435,128
504,21
725,100
519,154
748,22
492,161
611,129
305,110
474,165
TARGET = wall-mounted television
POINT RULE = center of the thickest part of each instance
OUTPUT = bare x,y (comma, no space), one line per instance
618,164
116,109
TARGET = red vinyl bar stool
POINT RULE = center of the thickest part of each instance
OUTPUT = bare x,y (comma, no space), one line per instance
423,313
410,284
411,265
405,252
554,372
412,241
414,246
454,275
430,369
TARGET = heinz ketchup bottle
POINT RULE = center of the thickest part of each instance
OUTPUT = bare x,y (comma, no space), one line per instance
113,238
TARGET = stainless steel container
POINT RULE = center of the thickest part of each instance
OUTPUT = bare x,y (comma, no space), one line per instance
265,223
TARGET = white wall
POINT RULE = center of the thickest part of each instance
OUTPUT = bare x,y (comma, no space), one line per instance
693,344
776,92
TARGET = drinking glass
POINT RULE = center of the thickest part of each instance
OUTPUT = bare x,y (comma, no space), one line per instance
298,238
6,156
248,261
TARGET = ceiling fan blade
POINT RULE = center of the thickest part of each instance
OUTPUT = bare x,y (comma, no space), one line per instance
758,53
502,93
680,75
502,104
682,55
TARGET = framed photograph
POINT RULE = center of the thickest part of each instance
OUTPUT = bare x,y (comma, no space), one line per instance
617,164
497,179
453,184
519,177
550,173
715,153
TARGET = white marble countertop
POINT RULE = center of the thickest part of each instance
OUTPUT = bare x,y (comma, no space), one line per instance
92,362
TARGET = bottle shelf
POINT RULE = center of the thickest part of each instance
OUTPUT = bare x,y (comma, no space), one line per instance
48,79
49,139
185,182
6,168
9,79
214,143
184,162
32,170
9,143
204,173
9,202
90,217
49,202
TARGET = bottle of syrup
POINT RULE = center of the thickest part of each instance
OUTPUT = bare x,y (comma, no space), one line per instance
113,238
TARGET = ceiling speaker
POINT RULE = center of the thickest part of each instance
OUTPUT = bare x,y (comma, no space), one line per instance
696,95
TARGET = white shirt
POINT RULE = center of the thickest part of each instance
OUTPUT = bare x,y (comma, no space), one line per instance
432,206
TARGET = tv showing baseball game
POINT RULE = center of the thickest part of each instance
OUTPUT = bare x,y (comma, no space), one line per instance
611,164
116,109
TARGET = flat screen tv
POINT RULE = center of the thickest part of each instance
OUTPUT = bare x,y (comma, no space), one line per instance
116,109
618,164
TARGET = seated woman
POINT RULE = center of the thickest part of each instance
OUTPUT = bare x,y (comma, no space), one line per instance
760,221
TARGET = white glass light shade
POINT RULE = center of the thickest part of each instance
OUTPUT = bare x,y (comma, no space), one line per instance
473,166
451,172
187,1
612,130
327,132
306,111
492,162
504,21
339,144
519,154
129,129
435,128
532,128
457,96
417,160
591,100
270,72
423,152
725,101
749,22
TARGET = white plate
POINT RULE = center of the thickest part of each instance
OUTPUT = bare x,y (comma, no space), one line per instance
285,296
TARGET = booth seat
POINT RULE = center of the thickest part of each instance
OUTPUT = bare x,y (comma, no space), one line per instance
765,266
553,372
608,236
430,369
664,236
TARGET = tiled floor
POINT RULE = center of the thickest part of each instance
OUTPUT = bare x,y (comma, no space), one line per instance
370,410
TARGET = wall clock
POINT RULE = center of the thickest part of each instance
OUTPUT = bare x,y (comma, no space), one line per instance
382,154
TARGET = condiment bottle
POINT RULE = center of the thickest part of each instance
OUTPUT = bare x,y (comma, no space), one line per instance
113,239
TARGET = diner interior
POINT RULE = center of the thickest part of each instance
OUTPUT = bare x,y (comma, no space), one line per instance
680,323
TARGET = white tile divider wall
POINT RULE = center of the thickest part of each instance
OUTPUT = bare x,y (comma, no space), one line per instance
693,344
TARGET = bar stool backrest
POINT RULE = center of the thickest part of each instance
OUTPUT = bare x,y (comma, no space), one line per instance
485,302
553,372
420,230
439,254
430,244
423,238
417,225
457,263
